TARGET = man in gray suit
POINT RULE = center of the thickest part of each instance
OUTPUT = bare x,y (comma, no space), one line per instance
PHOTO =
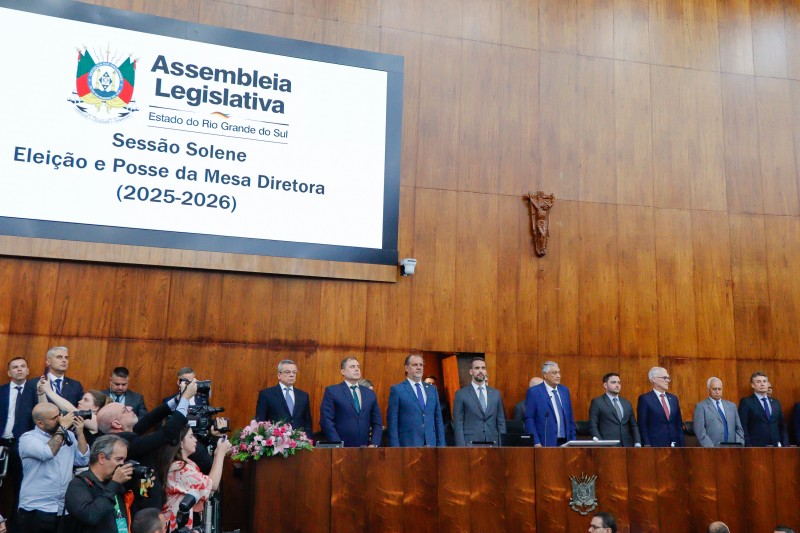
611,416
717,420
478,409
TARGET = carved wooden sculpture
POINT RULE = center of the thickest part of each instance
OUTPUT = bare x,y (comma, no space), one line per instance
541,204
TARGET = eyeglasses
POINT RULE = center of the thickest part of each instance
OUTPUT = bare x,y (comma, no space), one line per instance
292,372
665,378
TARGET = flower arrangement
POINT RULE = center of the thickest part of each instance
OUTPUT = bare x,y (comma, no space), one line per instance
265,439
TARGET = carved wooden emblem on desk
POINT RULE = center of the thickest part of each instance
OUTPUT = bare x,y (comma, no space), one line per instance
583,498
540,204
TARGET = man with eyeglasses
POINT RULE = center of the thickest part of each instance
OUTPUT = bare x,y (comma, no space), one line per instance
762,418
284,402
603,523
548,410
659,413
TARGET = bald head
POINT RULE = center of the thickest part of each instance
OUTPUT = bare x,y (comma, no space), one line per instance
116,418
718,527
535,381
44,411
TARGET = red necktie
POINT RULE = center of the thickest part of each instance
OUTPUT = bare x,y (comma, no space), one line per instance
664,405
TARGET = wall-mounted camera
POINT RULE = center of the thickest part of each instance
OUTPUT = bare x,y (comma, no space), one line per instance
407,266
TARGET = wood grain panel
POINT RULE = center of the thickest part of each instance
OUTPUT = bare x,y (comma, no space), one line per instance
519,122
444,18
177,9
420,489
455,467
776,147
735,36
241,295
558,127
140,303
512,375
598,280
434,284
475,315
195,310
145,361
297,322
633,372
520,23
759,486
487,484
707,155
742,163
792,13
558,283
221,14
638,324
702,488
671,136
7,269
597,180
402,14
344,305
596,28
439,105
483,20
552,489
782,236
84,287
677,330
713,285
730,489
769,38
751,307
702,38
479,118
348,498
33,298
383,489
558,25
643,503
633,142
787,490
632,30
667,33
520,491
673,498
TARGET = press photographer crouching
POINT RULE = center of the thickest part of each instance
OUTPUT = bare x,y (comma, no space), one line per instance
95,498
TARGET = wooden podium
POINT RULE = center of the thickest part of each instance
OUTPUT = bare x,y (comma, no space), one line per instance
523,489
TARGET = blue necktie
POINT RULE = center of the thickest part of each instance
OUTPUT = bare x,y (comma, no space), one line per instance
420,399
724,421
561,433
58,386
766,407
289,401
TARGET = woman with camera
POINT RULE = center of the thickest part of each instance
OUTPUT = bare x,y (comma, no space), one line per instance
92,401
181,476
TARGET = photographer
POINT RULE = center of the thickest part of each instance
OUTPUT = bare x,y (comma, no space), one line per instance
92,401
48,454
96,498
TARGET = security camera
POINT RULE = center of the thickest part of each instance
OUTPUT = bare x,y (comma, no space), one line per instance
407,266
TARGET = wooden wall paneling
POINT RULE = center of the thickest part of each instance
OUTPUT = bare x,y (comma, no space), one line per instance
32,348
83,300
632,30
558,129
434,284
552,490
636,252
517,268
702,37
352,35
558,25
611,467
730,489
786,464
479,117
745,369
195,306
751,306
237,392
706,144
248,311
760,488
519,122
702,487
200,357
483,20
408,45
633,142
222,14
87,359
439,104
557,301
384,491
348,498
310,29
785,380
794,87
598,280
402,14
667,33
7,269
677,324
633,373
596,130
782,235
520,23
388,305
384,368
176,9
713,285
511,377
454,489
444,18
140,303
742,158
296,317
644,505
689,378
145,362
520,489
776,147
671,136
421,498
361,12
769,38
343,313
596,28
792,13
735,36
476,273
584,377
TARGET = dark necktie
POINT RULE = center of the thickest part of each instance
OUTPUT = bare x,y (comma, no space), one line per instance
18,428
724,421
619,409
420,399
766,407
57,383
355,398
482,398
289,401
562,418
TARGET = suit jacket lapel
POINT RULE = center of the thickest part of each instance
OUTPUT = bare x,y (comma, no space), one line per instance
410,390
348,392
474,395
610,405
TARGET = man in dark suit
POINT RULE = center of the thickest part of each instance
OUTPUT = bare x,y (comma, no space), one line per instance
57,365
118,391
478,414
350,412
284,402
414,416
548,410
796,423
761,416
611,415
660,420
716,420
519,409
17,400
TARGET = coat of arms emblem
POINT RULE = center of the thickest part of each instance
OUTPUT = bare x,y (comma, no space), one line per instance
583,498
104,89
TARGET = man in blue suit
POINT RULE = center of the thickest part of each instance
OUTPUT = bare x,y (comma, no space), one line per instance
284,402
414,416
17,400
548,410
659,413
57,365
350,412
762,418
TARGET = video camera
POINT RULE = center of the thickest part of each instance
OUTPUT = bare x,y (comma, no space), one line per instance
201,414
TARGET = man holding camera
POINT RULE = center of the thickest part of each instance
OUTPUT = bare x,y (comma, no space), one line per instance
96,498
48,454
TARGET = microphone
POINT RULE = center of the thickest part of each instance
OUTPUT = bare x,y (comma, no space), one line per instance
546,418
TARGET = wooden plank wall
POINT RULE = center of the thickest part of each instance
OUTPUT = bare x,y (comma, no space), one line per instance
668,130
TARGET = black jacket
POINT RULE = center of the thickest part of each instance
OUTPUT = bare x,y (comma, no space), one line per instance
91,503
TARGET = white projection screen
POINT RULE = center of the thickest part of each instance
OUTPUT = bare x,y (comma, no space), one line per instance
137,139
